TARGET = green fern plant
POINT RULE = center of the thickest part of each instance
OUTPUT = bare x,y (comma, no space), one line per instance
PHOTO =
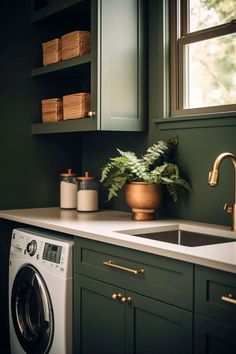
153,167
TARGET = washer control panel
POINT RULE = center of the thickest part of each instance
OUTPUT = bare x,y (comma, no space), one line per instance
52,252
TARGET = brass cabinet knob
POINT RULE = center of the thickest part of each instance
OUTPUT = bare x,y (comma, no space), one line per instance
91,114
116,296
126,299
228,208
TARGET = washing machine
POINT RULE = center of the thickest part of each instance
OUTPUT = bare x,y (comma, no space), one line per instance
40,293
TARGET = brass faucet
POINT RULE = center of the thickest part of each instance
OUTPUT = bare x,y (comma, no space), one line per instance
213,180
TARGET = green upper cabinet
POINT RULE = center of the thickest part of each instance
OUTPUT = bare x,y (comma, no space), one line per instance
121,65
113,72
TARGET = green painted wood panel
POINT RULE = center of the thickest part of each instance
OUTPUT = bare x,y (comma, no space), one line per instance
212,337
153,327
143,326
210,286
77,63
116,77
122,61
94,70
41,10
165,279
98,319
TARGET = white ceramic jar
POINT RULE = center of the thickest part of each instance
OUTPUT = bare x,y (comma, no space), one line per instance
68,190
87,193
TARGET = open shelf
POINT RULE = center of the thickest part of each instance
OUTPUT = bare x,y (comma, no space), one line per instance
62,65
52,19
68,126
53,9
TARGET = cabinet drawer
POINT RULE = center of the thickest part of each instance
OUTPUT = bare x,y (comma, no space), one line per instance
161,278
215,294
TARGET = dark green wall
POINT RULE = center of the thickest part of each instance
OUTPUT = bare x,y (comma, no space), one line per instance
196,152
30,165
200,141
197,149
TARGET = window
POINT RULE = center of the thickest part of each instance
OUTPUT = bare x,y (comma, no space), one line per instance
203,56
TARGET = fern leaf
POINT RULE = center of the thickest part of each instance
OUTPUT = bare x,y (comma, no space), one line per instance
117,183
183,184
154,153
105,170
172,191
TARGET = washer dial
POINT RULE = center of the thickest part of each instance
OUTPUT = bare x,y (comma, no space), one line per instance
32,248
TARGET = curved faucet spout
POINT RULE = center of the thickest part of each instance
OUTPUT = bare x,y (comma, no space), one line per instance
213,181
221,157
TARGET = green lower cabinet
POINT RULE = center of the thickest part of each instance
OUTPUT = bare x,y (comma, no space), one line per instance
99,320
212,337
139,325
153,327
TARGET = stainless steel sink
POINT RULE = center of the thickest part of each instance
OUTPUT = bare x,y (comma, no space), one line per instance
181,237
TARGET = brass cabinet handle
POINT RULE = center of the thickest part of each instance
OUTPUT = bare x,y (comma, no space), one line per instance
125,269
116,296
229,299
126,299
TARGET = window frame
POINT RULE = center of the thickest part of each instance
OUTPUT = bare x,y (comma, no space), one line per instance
179,37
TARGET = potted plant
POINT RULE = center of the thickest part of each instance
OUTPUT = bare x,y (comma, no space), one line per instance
144,178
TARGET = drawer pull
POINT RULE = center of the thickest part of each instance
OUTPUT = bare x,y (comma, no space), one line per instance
129,270
116,296
229,299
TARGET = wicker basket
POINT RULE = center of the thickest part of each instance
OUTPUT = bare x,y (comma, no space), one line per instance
52,51
51,110
75,44
76,106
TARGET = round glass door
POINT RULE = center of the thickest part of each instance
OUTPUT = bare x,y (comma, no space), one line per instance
32,313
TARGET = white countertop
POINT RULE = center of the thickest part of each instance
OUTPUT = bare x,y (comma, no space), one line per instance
103,226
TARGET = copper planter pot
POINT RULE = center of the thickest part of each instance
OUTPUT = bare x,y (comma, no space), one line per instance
143,199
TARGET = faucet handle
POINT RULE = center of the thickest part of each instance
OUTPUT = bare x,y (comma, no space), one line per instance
228,208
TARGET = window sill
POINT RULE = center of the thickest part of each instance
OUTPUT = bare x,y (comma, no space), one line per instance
200,121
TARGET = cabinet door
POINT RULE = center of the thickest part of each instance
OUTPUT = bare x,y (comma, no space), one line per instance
215,294
98,319
212,337
153,327
122,64
158,61
139,326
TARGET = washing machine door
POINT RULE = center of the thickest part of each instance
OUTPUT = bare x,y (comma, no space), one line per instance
32,313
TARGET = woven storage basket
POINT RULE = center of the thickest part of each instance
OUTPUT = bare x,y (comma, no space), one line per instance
52,51
76,106
75,44
51,110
